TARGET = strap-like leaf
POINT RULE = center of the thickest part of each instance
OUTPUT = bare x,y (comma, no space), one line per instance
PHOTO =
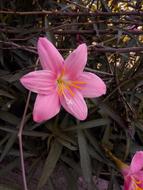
50,163
84,157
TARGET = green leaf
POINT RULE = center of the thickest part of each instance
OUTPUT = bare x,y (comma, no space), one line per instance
8,146
9,117
105,109
94,143
8,187
25,132
84,157
72,164
6,94
50,163
67,144
71,178
9,166
89,124
3,140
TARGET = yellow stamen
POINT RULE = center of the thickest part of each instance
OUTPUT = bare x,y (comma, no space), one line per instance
76,86
60,88
70,91
66,85
79,82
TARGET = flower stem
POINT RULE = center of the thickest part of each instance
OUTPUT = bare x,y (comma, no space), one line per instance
20,137
20,142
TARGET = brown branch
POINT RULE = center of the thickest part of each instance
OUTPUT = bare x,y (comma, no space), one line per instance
105,49
121,85
31,49
125,22
118,50
58,24
60,13
101,32
73,32
110,50
77,5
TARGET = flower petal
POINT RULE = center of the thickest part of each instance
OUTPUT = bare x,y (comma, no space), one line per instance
139,176
137,162
128,183
75,105
50,57
76,61
46,107
42,82
94,86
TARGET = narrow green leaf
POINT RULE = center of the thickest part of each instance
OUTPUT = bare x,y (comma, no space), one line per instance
10,166
71,178
94,143
8,146
8,187
65,137
4,139
26,133
84,157
111,113
9,117
72,164
89,124
67,144
50,184
33,168
6,94
95,154
14,152
50,163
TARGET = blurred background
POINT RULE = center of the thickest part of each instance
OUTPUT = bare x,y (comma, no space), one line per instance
63,153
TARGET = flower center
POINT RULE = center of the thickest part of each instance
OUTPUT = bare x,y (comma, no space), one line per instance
64,84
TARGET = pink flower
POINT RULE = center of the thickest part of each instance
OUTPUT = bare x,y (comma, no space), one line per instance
62,82
133,174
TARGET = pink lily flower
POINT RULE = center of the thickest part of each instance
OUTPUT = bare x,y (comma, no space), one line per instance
62,82
133,174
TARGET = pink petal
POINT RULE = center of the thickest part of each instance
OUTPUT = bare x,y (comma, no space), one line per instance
94,86
42,82
137,162
50,57
128,183
46,107
139,176
75,105
76,61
